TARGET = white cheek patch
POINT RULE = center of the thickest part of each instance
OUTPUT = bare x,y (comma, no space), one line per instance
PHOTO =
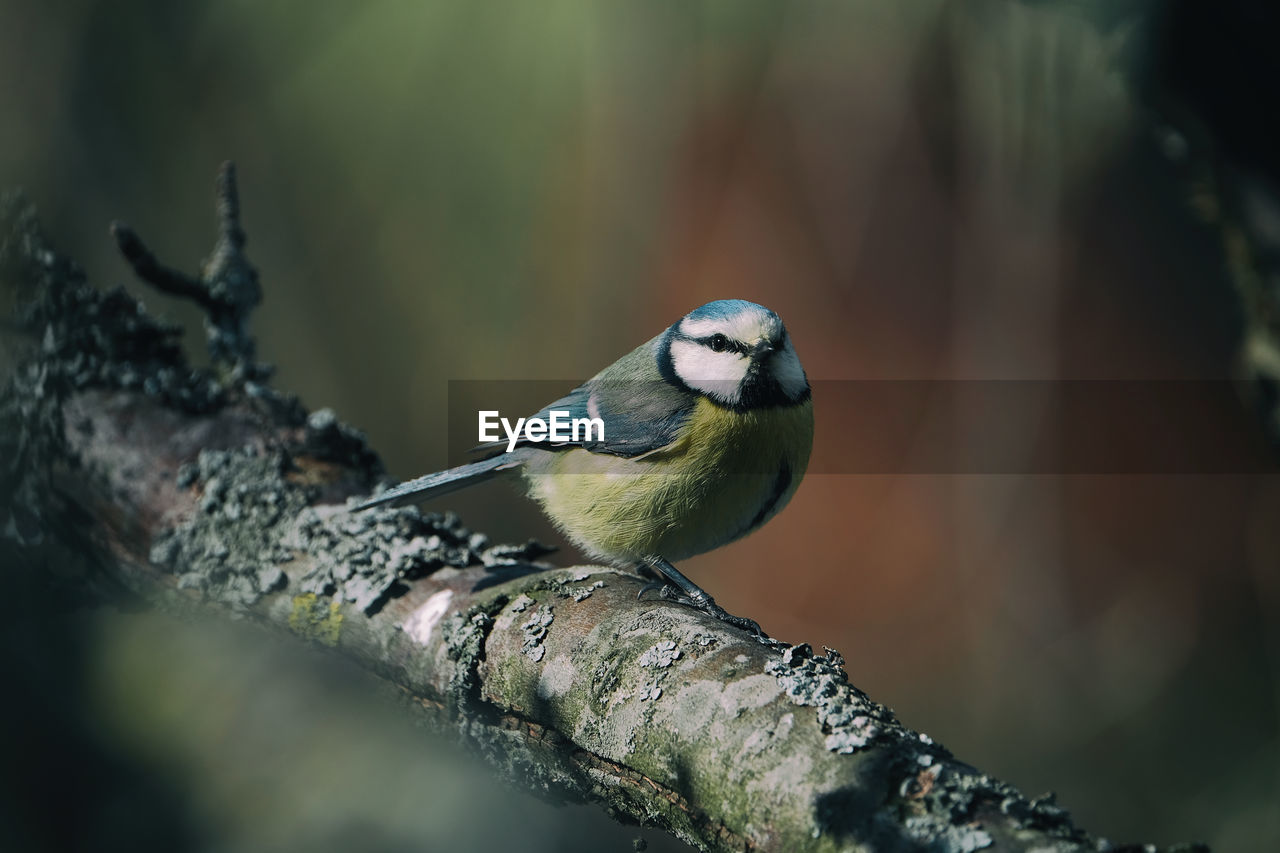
716,374
787,370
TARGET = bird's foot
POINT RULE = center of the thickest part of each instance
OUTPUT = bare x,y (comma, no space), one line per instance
666,591
703,602
709,606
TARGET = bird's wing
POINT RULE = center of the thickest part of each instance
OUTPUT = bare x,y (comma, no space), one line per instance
641,412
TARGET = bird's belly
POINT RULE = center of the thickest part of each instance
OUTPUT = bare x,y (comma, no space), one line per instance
724,480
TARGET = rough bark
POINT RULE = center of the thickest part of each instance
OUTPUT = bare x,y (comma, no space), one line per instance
126,472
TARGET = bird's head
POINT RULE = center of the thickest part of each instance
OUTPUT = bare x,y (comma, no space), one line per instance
736,353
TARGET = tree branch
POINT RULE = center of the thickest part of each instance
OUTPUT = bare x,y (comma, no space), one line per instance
128,472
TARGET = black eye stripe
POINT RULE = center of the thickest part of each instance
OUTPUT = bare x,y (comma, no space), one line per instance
722,343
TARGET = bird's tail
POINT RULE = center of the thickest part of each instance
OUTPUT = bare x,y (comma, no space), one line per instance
443,482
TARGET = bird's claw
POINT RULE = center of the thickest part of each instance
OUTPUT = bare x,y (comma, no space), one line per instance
668,592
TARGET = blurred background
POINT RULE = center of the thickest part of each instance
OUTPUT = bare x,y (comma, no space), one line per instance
437,192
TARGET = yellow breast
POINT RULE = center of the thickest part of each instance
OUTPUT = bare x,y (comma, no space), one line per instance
728,474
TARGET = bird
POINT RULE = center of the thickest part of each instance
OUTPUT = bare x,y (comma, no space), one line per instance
706,433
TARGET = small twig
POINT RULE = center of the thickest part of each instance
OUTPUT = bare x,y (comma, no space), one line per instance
231,279
227,287
150,270
229,206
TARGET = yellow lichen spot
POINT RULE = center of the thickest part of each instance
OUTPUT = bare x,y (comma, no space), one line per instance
313,620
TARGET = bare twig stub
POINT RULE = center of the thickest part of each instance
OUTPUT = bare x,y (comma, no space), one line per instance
191,489
227,286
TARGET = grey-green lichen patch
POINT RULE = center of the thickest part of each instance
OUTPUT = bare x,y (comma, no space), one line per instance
582,593
563,583
948,838
661,655
658,656
252,520
492,556
464,635
699,713
942,803
704,709
328,438
363,557
944,815
703,639
610,727
534,630
649,691
557,677
849,719
571,587
232,545
618,707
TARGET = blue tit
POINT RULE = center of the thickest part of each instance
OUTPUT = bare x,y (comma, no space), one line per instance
707,430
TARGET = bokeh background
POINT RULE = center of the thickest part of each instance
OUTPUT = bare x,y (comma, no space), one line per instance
512,190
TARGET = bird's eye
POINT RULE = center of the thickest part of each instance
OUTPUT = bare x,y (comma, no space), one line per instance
718,342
